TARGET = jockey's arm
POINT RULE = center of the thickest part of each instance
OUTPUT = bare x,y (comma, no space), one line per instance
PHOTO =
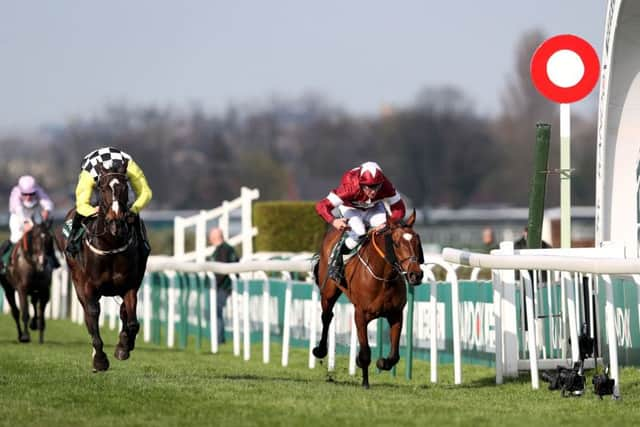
45,201
84,189
397,207
140,186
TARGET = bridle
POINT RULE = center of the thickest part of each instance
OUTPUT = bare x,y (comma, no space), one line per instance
389,254
102,217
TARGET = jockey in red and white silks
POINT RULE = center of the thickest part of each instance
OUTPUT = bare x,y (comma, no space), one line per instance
28,205
360,199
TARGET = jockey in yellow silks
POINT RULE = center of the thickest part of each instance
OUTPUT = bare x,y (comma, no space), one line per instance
87,179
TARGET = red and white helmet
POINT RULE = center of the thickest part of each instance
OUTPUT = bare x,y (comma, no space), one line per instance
371,174
27,184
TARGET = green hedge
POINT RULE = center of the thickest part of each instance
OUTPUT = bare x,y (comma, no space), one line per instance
287,226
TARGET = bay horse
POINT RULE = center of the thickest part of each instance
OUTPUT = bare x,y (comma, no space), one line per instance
111,262
29,273
375,281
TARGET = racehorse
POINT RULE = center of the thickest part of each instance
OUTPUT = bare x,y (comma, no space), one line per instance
29,273
375,281
109,263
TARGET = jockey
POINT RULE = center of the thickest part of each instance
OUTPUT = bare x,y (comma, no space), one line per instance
360,199
87,179
28,205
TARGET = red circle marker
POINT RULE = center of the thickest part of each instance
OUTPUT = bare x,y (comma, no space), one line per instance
580,47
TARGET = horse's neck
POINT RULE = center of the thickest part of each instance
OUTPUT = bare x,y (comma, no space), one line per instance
374,260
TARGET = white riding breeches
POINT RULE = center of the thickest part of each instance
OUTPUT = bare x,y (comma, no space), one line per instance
359,220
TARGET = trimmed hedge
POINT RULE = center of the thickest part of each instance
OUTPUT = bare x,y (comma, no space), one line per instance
287,226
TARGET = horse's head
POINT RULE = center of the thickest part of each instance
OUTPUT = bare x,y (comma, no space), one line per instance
403,249
114,197
36,243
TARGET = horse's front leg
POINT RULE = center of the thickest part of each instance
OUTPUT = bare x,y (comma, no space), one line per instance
395,329
364,355
130,325
330,295
91,314
24,311
10,295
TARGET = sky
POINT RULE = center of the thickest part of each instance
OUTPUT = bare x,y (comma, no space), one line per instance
67,59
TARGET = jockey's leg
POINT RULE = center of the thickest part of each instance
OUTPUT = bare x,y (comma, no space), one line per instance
376,216
73,242
354,234
4,248
51,256
142,236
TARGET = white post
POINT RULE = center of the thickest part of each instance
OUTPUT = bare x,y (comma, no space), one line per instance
509,317
266,320
286,333
178,237
565,175
235,315
433,314
246,321
455,315
497,316
533,351
201,236
353,343
247,224
573,321
146,309
223,223
213,312
612,339
313,326
331,364
173,293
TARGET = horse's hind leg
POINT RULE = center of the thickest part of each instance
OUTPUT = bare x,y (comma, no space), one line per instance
330,295
91,315
33,324
130,325
43,300
364,355
24,311
395,329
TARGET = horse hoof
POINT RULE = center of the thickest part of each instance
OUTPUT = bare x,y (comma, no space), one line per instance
100,364
383,364
121,354
320,352
24,338
365,386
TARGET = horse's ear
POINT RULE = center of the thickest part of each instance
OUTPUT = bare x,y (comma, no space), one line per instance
412,219
123,167
389,219
48,223
99,168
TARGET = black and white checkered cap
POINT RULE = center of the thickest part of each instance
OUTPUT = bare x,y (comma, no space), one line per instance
108,156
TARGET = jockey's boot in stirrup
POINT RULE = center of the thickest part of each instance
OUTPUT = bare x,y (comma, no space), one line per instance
142,237
73,242
337,263
4,247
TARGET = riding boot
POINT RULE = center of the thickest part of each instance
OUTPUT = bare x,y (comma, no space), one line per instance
4,247
336,266
142,237
52,258
73,242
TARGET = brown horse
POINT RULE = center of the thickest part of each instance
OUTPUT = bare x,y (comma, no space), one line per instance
375,282
111,262
29,273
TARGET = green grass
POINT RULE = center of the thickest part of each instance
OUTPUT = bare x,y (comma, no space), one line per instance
53,385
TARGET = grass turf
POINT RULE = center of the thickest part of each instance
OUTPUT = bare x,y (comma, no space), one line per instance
53,385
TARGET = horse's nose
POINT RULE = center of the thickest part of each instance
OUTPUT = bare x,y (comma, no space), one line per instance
415,278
